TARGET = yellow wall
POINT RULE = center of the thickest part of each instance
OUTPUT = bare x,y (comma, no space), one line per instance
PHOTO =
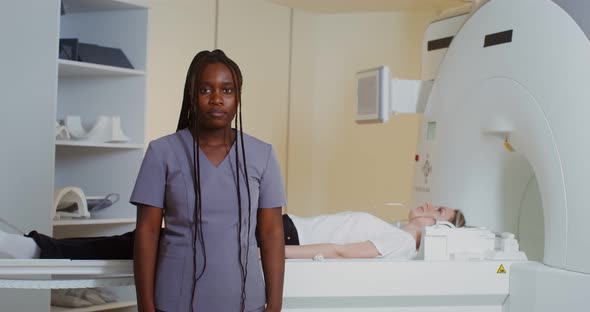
254,33
178,30
335,164
306,109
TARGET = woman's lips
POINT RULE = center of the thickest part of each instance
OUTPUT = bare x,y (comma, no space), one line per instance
216,113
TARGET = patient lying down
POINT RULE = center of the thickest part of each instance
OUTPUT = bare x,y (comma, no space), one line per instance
341,235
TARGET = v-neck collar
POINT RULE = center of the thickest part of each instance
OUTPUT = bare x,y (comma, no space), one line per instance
231,152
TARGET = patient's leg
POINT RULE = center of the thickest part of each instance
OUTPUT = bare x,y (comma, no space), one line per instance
14,246
85,248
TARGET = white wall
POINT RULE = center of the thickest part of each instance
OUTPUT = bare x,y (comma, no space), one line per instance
335,164
28,96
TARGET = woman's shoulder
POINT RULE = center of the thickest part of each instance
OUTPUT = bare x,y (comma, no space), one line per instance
165,142
254,144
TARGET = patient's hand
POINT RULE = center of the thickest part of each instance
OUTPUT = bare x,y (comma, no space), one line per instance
364,249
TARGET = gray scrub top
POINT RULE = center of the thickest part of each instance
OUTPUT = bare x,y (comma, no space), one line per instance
165,180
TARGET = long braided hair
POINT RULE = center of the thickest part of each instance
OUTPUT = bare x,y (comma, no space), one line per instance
189,119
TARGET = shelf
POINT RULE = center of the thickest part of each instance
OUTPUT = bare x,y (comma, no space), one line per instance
98,145
93,220
29,268
68,69
100,307
80,6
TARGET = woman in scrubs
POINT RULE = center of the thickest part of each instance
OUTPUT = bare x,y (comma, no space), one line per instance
218,190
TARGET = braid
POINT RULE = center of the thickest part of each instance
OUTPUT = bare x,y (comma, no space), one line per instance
189,119
241,134
239,125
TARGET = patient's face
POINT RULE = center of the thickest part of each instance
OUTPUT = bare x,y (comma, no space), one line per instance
440,213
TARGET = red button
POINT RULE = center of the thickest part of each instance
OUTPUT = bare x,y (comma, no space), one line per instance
417,157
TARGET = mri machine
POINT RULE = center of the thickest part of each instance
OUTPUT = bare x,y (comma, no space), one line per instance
503,139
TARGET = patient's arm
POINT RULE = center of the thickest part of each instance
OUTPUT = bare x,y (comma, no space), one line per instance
332,251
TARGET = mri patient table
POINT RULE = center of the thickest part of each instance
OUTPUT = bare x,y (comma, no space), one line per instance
316,286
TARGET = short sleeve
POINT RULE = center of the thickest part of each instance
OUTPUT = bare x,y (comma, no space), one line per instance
394,244
150,186
272,191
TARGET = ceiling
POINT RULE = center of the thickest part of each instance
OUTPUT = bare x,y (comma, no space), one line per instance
348,6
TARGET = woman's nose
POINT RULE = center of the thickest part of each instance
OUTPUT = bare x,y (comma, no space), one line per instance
216,98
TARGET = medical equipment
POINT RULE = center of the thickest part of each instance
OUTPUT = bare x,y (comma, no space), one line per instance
378,96
507,111
444,242
372,95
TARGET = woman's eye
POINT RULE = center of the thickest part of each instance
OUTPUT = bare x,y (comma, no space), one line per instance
204,91
228,91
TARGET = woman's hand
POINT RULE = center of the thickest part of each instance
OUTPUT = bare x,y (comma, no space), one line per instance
145,253
270,235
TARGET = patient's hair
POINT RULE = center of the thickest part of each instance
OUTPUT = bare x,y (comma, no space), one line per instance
459,219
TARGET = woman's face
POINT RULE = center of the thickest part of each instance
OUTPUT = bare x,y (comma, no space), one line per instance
216,94
430,211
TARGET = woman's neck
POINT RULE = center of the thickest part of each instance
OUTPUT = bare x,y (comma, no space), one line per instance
416,225
415,231
216,137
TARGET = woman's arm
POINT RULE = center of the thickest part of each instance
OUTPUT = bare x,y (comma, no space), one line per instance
145,253
332,251
272,250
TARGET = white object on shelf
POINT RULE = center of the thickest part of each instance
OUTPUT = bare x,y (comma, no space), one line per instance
61,132
100,307
67,196
106,129
71,69
93,220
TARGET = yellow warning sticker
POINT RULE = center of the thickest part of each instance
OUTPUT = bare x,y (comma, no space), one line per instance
501,269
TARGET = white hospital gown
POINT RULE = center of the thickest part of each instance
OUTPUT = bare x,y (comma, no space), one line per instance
352,227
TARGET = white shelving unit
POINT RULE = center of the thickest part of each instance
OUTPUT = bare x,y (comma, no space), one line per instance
39,89
92,90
